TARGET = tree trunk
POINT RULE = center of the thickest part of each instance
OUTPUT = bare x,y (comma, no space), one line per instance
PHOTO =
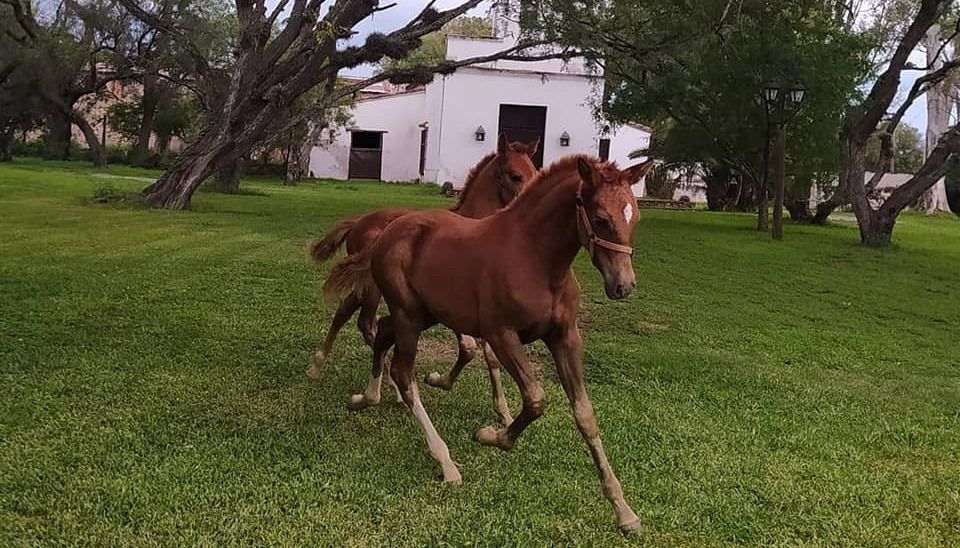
163,143
295,164
191,168
762,207
797,199
148,103
58,136
934,200
7,136
877,229
97,152
227,179
717,179
823,212
939,102
779,180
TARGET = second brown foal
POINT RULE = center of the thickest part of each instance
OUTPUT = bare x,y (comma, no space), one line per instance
490,185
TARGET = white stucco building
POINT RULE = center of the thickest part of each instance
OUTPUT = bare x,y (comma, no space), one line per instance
430,133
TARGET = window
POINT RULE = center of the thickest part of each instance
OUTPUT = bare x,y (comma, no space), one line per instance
366,139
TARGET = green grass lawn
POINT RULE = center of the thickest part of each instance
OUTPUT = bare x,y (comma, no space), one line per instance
152,387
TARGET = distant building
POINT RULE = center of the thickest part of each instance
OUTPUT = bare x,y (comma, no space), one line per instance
435,133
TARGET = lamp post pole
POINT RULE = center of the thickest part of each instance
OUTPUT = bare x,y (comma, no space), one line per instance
781,104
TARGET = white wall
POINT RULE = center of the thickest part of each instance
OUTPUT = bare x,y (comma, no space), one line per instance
623,141
471,97
398,116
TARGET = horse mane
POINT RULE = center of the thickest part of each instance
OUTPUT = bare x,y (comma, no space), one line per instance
471,178
563,164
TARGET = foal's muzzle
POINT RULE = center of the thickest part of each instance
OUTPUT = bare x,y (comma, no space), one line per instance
619,289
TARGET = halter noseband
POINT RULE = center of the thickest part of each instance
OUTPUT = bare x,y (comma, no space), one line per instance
592,239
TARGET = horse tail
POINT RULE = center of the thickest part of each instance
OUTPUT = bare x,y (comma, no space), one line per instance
324,248
350,275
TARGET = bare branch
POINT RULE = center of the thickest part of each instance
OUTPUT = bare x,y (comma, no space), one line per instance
276,12
168,28
943,45
448,67
885,88
943,157
383,8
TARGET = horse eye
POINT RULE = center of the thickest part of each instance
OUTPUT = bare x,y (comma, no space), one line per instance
602,223
516,178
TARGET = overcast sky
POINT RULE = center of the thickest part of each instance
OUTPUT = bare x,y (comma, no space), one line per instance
405,10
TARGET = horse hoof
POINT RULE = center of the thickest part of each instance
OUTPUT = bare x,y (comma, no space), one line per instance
359,401
488,435
452,478
316,368
631,528
436,380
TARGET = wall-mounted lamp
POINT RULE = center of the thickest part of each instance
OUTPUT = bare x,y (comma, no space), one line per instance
480,134
564,139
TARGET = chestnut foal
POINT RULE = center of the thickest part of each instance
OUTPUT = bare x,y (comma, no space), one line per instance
490,185
506,278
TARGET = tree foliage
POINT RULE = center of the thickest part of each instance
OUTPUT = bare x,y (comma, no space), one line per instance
696,71
433,49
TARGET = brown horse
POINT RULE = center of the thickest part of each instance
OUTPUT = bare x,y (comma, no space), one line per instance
506,278
489,186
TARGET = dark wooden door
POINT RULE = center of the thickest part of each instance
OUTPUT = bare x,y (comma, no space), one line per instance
526,124
423,150
366,155
604,149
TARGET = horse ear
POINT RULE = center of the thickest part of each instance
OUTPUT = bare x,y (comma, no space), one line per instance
635,173
502,146
586,170
532,147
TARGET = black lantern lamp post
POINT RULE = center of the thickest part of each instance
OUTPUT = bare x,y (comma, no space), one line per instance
480,134
782,103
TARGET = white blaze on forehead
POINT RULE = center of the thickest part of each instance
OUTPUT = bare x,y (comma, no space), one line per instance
628,212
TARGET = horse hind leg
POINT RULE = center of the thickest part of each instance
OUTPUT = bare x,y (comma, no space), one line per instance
344,311
466,351
402,372
367,321
382,343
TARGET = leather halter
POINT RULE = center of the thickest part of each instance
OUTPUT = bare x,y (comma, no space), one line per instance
592,239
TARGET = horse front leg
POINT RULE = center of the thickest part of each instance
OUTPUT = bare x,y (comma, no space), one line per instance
567,350
496,386
466,351
513,356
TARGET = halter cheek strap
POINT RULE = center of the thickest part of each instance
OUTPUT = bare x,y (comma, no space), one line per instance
592,239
